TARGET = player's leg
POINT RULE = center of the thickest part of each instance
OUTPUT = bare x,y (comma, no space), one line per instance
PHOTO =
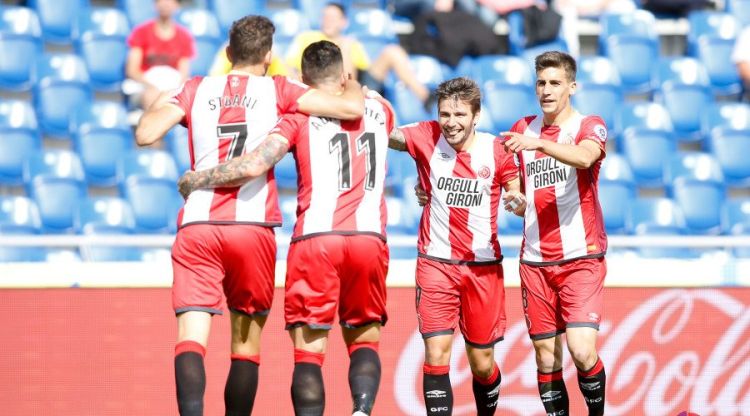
310,299
248,286
483,325
394,57
438,306
362,313
196,295
581,301
545,324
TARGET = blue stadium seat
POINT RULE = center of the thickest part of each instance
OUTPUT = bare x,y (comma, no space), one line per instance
599,89
20,44
313,9
401,220
406,105
428,70
685,102
657,216
682,70
731,149
530,53
137,11
635,58
367,4
57,17
56,164
509,223
155,203
227,11
614,198
615,168
178,144
643,116
19,139
285,173
701,203
288,23
468,67
715,54
485,123
691,165
400,166
647,152
147,163
101,135
508,103
63,85
19,215
736,217
502,70
57,199
100,39
740,9
733,116
638,23
204,27
372,23
710,23
105,215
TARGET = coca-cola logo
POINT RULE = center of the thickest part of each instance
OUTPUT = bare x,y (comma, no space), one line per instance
675,350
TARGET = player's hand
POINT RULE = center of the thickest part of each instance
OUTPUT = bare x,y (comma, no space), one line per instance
186,184
515,142
421,195
515,202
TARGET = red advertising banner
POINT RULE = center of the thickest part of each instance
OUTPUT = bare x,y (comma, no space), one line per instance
74,352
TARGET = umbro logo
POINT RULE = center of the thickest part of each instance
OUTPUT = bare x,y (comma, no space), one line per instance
435,394
590,386
492,393
444,156
551,394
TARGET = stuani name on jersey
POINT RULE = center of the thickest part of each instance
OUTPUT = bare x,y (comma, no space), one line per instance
236,100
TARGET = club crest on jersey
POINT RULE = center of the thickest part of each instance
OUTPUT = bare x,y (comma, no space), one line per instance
601,132
484,172
234,82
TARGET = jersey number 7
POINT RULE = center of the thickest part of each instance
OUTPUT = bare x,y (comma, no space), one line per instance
237,133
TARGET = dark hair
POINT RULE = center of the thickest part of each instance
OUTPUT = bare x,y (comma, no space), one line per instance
556,59
462,88
321,61
338,6
250,39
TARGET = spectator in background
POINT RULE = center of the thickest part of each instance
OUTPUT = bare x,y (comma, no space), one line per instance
571,10
356,62
677,8
222,66
741,57
160,53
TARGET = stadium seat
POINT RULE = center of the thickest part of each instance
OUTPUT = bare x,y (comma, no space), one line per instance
731,149
100,39
312,9
710,23
468,67
681,70
685,103
509,223
227,11
57,17
57,199
740,9
599,89
285,173
372,23
137,11
691,165
400,166
508,103
155,203
105,215
530,53
428,70
615,168
19,139
101,135
643,116
614,198
406,105
63,85
401,220
657,216
638,23
179,146
56,164
20,44
732,116
635,58
502,70
367,4
646,152
701,203
736,217
147,163
19,215
715,54
288,23
204,27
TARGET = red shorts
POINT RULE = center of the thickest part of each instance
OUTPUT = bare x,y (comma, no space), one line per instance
562,296
239,258
471,295
333,271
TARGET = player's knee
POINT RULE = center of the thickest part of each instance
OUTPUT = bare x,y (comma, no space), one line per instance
435,355
584,356
546,360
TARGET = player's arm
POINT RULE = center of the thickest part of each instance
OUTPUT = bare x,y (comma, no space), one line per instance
237,171
397,140
350,105
513,199
156,121
579,156
133,64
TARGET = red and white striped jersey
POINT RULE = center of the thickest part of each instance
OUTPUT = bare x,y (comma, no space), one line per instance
227,116
459,222
341,171
563,219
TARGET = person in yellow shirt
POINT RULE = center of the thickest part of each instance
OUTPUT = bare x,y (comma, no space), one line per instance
222,66
356,62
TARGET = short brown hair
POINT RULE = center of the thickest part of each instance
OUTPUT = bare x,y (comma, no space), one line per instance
250,39
556,59
321,61
462,88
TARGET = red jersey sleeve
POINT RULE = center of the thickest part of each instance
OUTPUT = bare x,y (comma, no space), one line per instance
593,128
137,37
183,98
288,91
290,126
419,135
506,162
